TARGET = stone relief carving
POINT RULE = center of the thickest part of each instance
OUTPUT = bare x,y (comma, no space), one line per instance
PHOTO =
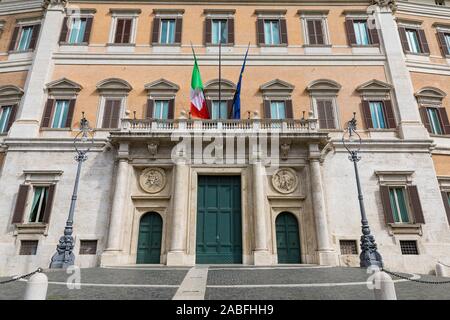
152,180
285,148
54,3
285,180
392,4
153,149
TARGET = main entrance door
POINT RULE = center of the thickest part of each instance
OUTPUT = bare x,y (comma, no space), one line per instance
149,242
288,242
219,232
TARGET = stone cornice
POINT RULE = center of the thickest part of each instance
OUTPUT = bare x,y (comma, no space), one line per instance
419,9
10,8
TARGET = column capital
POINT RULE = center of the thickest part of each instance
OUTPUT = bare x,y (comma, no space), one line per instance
54,3
314,152
390,5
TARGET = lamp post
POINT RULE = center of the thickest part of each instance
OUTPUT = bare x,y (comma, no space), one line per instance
64,256
369,255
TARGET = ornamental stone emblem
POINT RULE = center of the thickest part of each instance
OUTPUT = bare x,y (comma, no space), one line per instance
391,4
285,180
152,180
47,3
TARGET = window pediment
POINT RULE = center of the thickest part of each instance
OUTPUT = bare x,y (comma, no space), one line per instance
277,88
162,87
430,95
10,94
63,86
227,89
114,86
323,87
375,88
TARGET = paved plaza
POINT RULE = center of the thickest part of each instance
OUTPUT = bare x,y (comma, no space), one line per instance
224,282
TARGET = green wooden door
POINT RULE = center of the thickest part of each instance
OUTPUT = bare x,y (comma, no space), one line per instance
219,231
288,241
150,235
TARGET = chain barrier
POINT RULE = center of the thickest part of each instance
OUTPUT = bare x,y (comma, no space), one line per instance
16,278
415,280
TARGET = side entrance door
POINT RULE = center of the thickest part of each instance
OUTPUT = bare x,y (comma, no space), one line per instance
288,241
150,235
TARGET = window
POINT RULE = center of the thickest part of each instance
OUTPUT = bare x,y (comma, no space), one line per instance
272,32
161,109
219,109
277,110
435,123
348,247
409,247
60,114
25,38
413,40
77,31
39,204
123,30
167,31
447,41
377,114
28,247
399,205
326,113
361,32
88,246
111,113
219,29
5,114
315,31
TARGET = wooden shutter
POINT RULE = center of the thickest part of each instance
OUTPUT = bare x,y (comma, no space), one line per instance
289,109
444,120
366,114
126,37
283,32
64,31
230,23
329,111
49,204
70,113
230,109
209,107
416,207
267,113
119,31
260,28
171,111
178,29
155,31
389,114
443,44
323,124
446,204
107,114
310,25
87,32
351,36
12,117
425,119
115,114
15,35
21,203
47,113
208,30
35,36
149,111
373,32
386,201
423,41
403,39
319,32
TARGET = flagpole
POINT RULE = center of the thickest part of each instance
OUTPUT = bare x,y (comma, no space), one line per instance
220,72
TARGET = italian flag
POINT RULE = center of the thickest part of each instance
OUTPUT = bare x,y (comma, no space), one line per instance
198,102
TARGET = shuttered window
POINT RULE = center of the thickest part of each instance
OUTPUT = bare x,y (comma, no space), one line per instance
399,208
272,32
361,32
76,30
38,205
5,118
379,114
219,31
326,114
401,204
413,40
111,113
161,109
435,119
123,30
277,110
315,31
219,109
167,35
58,114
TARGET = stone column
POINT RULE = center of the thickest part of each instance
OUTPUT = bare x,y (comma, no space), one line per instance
33,101
410,123
326,254
113,251
178,231
261,254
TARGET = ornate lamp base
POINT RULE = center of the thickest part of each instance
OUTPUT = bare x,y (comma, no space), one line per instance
369,255
64,256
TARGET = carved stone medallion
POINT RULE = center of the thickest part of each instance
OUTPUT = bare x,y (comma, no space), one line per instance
285,180
152,180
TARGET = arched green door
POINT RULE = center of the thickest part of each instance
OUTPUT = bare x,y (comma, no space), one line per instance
150,235
288,240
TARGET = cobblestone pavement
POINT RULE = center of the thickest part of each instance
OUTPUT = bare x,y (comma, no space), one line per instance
226,282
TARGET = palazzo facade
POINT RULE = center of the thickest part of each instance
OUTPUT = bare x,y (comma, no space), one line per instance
273,187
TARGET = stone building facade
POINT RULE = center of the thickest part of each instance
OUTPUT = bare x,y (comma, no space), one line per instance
271,188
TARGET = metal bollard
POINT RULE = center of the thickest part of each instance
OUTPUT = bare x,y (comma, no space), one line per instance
441,270
36,287
384,287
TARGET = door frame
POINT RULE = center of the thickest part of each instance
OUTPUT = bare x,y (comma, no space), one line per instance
246,220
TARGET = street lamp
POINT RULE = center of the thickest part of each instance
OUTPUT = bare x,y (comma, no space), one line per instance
369,255
83,142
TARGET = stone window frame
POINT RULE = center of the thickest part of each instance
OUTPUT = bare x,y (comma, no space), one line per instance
416,25
161,89
272,14
306,15
71,14
112,88
162,14
325,89
443,28
127,14
428,97
401,179
10,95
211,90
360,15
221,14
25,22
277,90
36,178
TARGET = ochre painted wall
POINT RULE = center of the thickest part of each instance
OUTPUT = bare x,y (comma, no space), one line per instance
13,78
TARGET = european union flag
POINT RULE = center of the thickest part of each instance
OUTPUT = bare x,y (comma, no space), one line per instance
236,110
